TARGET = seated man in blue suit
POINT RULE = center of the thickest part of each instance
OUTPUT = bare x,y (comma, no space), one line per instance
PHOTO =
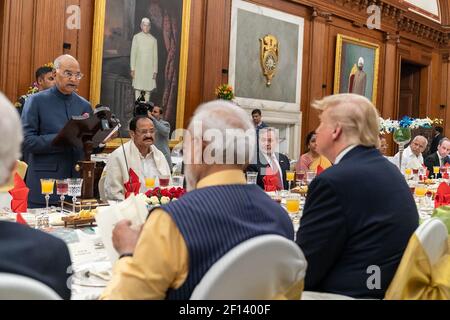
43,117
359,214
269,161
25,251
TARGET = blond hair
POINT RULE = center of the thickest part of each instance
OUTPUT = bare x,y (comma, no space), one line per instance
357,116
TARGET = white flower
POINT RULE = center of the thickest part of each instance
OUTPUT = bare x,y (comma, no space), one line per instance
165,200
154,200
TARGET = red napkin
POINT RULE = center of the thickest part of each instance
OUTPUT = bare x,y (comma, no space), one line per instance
20,219
19,202
442,197
447,165
271,183
319,170
133,185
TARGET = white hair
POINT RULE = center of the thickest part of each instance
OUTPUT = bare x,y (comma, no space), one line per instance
145,21
58,61
11,130
233,126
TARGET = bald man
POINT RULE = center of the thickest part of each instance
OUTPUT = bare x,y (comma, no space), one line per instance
43,117
412,156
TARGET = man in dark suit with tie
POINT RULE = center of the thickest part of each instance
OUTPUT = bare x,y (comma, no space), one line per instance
359,214
439,158
269,161
438,136
25,251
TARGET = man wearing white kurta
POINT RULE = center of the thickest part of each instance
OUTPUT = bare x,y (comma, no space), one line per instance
142,156
412,156
144,61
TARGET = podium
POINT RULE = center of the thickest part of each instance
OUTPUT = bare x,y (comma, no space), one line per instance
87,132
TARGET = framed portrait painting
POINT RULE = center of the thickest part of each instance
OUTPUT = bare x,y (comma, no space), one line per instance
151,37
357,64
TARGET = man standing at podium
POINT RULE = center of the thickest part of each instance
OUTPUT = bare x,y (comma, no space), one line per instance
44,115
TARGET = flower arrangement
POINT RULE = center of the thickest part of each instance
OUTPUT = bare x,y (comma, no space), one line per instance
389,126
31,90
225,92
159,196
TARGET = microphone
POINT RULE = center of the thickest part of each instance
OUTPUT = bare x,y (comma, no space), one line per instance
117,121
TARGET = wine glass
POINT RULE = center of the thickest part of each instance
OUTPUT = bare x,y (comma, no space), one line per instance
164,181
310,175
290,176
47,186
62,189
402,136
300,176
74,186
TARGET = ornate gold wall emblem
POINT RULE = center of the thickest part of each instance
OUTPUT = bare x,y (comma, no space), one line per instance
269,57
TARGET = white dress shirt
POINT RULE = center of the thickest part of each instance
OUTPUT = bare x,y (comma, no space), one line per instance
409,160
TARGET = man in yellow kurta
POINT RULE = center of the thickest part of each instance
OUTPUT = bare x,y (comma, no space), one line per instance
144,61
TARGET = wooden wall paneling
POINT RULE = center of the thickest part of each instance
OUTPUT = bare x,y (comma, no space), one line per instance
49,26
84,45
434,76
214,46
445,93
196,64
10,64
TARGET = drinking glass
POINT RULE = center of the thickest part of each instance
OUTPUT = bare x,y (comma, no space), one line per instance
74,190
178,181
310,175
47,186
164,181
150,182
293,205
62,190
290,176
420,192
436,171
300,176
252,177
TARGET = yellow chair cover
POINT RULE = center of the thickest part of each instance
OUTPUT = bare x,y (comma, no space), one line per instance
416,279
21,169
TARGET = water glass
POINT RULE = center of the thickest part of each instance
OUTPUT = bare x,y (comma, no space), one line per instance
178,181
74,186
310,175
252,177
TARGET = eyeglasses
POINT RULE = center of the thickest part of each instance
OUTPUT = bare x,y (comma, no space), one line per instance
144,132
68,74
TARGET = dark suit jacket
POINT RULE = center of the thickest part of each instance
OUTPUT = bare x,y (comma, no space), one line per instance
433,161
43,117
262,163
35,254
435,143
358,213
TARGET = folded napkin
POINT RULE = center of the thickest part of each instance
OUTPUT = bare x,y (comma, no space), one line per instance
319,170
271,183
133,185
442,197
19,202
20,219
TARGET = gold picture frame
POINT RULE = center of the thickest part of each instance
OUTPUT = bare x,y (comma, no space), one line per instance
349,51
97,60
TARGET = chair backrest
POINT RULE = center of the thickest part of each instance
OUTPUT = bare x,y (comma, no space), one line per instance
433,236
257,269
101,186
16,287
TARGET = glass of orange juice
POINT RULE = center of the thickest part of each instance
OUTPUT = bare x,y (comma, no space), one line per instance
436,170
290,176
408,171
150,182
47,186
293,204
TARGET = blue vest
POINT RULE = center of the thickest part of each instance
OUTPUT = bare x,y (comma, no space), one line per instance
214,220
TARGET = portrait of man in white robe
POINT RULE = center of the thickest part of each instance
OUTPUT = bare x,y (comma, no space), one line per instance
144,61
